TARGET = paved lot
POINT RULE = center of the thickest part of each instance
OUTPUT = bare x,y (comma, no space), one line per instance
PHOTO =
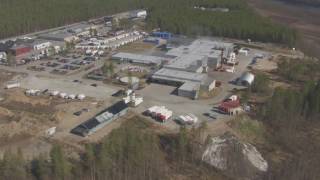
101,92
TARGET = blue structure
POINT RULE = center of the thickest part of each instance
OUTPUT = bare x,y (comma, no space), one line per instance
152,40
163,35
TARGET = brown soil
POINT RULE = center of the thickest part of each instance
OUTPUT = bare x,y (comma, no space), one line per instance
304,19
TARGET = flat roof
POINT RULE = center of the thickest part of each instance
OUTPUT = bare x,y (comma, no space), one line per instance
56,35
139,58
179,76
191,57
201,47
187,62
190,86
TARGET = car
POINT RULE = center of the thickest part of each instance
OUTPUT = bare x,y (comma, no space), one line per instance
75,81
94,85
211,115
78,113
118,93
85,110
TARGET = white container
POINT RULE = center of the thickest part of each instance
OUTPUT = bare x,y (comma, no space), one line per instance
51,131
81,96
233,98
13,85
88,52
72,96
138,101
54,93
63,95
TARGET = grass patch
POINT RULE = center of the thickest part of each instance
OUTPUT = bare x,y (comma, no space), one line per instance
209,94
251,130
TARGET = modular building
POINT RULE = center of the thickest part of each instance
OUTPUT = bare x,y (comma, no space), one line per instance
110,114
138,14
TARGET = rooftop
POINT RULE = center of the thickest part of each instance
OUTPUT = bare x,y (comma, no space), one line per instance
201,47
190,86
179,76
139,58
56,35
187,62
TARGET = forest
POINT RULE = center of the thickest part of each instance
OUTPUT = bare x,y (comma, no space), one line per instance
305,2
292,116
133,151
179,16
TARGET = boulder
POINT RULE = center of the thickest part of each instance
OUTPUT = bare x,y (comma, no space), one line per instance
237,159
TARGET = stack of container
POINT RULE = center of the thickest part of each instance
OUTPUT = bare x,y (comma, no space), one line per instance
160,113
188,119
32,92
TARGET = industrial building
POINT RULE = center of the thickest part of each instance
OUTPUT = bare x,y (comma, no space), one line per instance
211,51
189,65
137,58
102,119
138,14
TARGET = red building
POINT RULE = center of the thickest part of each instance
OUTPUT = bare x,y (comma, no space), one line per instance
231,107
19,50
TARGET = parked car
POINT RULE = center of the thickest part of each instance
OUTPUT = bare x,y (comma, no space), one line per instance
211,115
78,113
94,85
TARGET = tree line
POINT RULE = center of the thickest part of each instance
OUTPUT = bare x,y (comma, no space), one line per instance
132,152
177,16
291,116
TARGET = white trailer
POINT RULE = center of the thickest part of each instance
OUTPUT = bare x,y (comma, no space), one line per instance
63,95
54,93
81,96
12,85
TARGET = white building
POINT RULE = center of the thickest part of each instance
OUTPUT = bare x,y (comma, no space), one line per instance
138,14
41,45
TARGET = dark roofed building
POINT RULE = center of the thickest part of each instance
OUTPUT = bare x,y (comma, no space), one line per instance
101,119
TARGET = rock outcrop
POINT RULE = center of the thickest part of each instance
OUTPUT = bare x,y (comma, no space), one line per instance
236,159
